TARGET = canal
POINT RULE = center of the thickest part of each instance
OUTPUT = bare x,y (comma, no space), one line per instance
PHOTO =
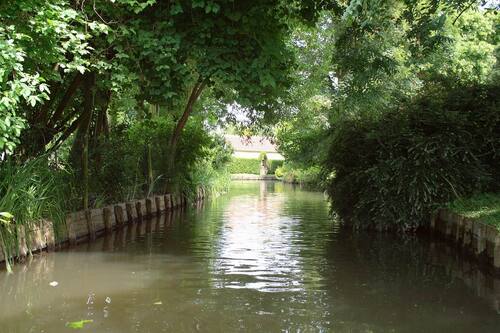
266,257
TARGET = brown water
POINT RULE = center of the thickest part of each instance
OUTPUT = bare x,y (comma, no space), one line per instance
264,258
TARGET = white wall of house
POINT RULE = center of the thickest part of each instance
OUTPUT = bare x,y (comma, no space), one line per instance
252,154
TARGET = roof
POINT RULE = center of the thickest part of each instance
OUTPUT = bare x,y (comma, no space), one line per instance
252,143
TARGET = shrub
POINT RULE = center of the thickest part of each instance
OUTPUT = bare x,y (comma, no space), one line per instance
274,165
310,176
120,162
393,170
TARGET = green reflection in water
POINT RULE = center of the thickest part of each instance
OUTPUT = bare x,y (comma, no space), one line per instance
264,258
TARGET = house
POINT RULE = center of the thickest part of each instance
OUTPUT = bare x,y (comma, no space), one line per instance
251,147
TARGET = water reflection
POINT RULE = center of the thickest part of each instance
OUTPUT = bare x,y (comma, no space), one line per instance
255,246
265,258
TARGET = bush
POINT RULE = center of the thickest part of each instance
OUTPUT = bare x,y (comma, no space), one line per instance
392,171
311,176
274,165
119,163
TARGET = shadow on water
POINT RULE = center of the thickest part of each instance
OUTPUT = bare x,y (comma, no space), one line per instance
266,257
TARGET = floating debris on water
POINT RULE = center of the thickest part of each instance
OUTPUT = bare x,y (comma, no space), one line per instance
79,324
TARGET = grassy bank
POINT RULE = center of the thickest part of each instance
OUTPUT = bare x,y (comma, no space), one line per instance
484,207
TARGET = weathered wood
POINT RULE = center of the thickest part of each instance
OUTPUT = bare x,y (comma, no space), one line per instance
71,227
174,200
159,205
97,219
474,236
138,208
23,243
130,212
119,218
149,207
167,198
108,222
47,228
90,225
496,255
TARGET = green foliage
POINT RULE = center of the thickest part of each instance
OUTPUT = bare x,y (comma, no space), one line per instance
119,164
392,171
306,125
29,193
310,177
252,165
36,37
244,165
391,103
483,207
274,165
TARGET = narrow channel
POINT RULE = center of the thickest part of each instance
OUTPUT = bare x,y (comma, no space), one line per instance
266,257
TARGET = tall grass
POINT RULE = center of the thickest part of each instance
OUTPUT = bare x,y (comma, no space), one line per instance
29,193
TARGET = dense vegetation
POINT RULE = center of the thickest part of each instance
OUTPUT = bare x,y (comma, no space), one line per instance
103,100
400,101
390,105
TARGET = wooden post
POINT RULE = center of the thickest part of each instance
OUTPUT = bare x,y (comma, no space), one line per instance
158,205
130,215
90,224
174,200
119,216
168,201
479,240
496,253
108,223
149,207
48,234
70,225
138,208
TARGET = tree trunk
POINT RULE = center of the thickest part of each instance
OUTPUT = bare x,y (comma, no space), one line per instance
43,127
150,114
80,150
181,123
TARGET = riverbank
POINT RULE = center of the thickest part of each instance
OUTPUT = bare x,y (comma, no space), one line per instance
473,225
87,225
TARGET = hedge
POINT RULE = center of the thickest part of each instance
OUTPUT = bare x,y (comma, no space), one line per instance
244,165
251,165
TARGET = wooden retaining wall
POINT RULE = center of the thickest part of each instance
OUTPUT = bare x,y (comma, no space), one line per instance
87,225
480,282
474,237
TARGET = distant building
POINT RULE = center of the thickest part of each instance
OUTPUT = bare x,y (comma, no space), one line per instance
251,147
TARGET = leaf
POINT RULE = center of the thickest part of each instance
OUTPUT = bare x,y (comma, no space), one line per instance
6,215
79,324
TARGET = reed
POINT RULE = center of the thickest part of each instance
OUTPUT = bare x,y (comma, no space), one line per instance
29,192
